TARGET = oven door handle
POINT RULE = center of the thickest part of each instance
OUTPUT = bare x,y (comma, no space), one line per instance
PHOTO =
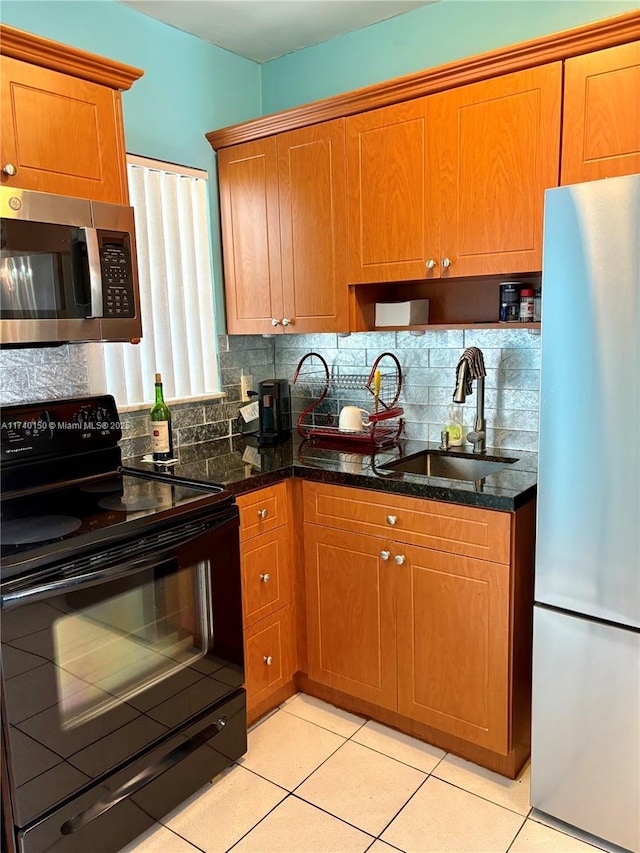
74,583
133,785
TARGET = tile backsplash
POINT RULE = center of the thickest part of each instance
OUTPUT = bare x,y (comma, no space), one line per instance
512,359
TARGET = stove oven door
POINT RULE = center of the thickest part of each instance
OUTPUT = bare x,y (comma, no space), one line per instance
108,658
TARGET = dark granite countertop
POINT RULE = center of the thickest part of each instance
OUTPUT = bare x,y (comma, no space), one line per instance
242,466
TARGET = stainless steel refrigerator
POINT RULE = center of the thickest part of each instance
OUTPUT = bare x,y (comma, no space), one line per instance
585,761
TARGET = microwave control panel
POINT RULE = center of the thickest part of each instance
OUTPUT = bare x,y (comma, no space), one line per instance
117,275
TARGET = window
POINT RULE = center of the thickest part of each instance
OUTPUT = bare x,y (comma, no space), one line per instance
176,293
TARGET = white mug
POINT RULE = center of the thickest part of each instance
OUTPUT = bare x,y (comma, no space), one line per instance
351,419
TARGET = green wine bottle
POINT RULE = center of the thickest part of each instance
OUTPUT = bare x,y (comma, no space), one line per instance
161,438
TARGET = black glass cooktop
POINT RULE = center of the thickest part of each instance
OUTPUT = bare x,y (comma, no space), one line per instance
54,521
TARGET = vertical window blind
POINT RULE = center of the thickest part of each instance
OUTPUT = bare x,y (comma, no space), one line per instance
176,293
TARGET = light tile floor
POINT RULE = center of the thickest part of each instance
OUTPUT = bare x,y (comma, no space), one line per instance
318,779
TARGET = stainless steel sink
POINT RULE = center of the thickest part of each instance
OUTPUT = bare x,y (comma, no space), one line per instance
430,463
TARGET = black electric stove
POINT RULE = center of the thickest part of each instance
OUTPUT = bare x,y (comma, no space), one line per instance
121,660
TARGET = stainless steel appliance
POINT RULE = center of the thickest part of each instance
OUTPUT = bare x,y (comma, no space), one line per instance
121,653
68,270
586,664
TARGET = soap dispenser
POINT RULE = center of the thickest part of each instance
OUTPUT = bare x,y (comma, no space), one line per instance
454,426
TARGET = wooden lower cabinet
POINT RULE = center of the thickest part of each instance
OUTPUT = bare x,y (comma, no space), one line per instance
410,629
350,598
453,644
269,658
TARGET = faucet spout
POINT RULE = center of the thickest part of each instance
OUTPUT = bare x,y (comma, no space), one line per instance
470,367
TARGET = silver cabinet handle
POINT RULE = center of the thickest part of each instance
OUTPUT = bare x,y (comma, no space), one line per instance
446,263
285,321
384,555
268,660
399,559
263,513
9,170
265,578
275,322
392,519
431,264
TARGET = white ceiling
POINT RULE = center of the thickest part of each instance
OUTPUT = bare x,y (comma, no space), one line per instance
265,29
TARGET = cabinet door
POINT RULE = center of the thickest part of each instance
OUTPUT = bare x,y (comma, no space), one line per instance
392,195
350,594
248,177
453,645
311,178
601,124
63,135
266,574
498,146
270,656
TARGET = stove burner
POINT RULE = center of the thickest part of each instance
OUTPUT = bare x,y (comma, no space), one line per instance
38,528
139,497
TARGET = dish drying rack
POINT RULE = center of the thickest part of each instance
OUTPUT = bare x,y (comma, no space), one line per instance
383,383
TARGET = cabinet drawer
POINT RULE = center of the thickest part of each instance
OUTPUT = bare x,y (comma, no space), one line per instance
262,511
266,574
270,656
467,531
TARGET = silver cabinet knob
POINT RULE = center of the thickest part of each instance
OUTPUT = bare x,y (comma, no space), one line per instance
268,660
384,555
9,170
265,578
399,559
263,513
446,263
392,519
431,264
285,321
275,322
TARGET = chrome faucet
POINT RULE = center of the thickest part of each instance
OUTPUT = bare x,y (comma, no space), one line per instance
479,435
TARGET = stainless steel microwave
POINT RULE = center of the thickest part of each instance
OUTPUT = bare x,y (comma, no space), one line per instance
68,270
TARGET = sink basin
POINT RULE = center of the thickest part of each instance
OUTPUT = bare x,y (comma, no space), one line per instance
430,463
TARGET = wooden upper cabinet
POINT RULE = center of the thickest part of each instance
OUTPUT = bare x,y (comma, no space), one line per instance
497,145
282,203
62,134
601,125
392,198
248,177
311,180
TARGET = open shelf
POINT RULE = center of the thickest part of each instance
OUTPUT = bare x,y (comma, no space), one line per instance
454,303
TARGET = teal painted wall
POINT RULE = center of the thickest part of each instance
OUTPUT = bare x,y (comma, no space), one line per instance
426,37
189,86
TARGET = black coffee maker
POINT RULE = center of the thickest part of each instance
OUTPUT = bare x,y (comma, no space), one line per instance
274,399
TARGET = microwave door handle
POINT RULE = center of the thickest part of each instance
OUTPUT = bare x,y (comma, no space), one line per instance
95,274
87,579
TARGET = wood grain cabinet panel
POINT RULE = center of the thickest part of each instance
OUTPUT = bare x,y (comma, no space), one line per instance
282,202
248,178
392,194
311,179
270,656
350,615
469,531
262,510
497,143
64,135
601,124
453,645
266,574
